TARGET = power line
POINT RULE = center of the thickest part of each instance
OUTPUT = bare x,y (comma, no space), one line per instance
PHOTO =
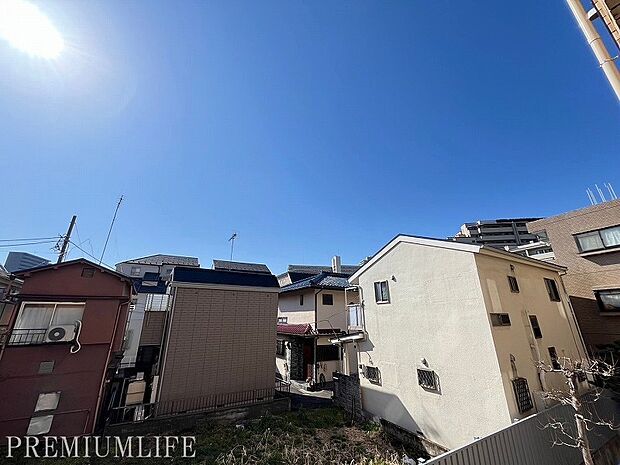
27,243
91,256
29,239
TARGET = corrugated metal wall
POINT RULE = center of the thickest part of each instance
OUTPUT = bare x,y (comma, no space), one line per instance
528,443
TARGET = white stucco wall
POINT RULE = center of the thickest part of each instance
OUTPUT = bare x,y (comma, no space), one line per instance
555,319
437,312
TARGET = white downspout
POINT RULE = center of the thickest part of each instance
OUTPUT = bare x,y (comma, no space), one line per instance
596,44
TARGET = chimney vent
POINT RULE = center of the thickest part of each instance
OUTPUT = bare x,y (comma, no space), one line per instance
336,264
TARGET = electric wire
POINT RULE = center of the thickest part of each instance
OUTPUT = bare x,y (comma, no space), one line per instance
29,239
89,255
27,243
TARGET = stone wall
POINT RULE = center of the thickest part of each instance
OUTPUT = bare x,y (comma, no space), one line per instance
347,394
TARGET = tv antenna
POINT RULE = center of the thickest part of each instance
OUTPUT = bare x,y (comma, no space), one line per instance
105,246
232,244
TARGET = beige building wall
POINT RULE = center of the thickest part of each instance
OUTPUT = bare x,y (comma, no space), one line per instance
437,313
587,272
221,340
556,321
289,307
327,316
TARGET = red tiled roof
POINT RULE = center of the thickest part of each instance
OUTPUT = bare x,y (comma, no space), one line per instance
304,328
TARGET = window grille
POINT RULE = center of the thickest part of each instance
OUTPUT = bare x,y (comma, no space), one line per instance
514,285
522,394
427,379
373,374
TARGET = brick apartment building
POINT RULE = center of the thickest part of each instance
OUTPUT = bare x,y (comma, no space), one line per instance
60,347
220,341
587,242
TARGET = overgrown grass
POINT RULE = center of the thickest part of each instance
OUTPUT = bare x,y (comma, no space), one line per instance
306,437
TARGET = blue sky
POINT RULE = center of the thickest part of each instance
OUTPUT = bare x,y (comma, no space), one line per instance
310,128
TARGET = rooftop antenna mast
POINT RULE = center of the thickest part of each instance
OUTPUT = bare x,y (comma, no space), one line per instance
105,246
610,189
232,244
600,192
591,196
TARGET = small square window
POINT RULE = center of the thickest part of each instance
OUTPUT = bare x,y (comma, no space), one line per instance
514,285
282,320
382,292
535,327
500,319
40,425
552,290
135,271
46,368
88,272
47,401
328,299
427,379
373,374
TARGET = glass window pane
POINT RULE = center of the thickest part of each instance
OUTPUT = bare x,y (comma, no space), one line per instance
67,314
40,425
590,241
611,236
47,401
34,316
610,300
377,292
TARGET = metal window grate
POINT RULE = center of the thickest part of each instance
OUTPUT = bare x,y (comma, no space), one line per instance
522,394
373,374
514,285
427,379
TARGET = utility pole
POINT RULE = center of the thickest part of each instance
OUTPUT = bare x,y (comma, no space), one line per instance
596,44
65,241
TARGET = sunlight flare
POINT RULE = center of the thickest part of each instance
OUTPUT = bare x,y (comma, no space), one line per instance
27,29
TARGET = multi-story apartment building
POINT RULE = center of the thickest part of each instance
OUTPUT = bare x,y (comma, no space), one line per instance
497,233
17,261
540,250
453,333
587,243
61,348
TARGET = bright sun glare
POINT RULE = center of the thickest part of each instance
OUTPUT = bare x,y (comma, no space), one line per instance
26,28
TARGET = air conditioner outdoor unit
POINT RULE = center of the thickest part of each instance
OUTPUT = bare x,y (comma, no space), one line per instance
60,333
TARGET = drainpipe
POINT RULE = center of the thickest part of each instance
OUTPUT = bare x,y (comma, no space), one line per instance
596,44
574,318
316,338
11,322
105,368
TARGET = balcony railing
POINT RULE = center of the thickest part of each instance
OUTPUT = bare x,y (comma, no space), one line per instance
25,336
